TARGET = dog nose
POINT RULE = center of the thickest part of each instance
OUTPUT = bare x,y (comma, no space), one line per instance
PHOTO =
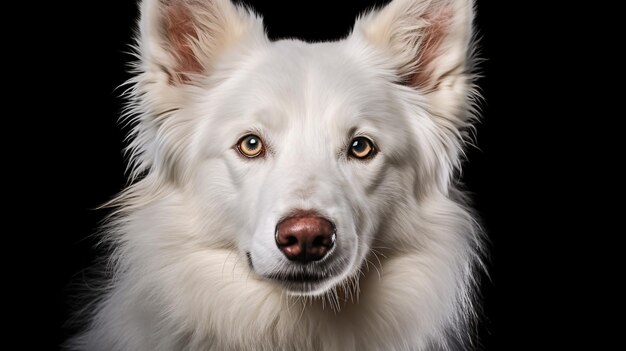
305,237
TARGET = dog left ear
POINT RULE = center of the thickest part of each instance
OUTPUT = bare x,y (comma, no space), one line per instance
429,42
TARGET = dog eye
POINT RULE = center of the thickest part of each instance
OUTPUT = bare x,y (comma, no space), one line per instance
362,148
251,146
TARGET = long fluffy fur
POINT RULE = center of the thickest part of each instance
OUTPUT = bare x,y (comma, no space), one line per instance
179,279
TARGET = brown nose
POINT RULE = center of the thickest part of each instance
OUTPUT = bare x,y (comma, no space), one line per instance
305,237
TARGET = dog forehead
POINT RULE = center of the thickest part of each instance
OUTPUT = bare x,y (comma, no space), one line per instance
321,79
314,71
296,56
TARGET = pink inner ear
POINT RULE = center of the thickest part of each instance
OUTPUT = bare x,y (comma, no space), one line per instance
433,37
180,29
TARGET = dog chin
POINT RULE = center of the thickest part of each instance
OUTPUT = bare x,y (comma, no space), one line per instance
312,279
310,282
306,286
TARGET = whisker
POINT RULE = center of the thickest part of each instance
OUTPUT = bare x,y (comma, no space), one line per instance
224,264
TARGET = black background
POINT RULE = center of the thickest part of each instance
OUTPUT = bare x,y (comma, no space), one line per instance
510,173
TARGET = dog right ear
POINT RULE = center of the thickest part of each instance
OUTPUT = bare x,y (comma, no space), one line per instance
179,44
182,39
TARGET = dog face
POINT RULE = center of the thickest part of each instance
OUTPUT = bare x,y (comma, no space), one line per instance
300,152
308,138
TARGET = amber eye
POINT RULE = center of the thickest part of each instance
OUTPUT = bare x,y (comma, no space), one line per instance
362,148
251,146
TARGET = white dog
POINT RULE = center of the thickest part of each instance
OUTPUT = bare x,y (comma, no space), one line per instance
293,196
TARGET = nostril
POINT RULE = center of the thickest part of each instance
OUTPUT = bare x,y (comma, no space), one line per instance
291,240
285,240
318,241
323,241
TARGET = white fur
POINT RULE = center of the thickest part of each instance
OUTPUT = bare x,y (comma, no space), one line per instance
407,248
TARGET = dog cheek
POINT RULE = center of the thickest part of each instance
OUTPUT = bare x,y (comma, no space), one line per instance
207,203
390,187
254,210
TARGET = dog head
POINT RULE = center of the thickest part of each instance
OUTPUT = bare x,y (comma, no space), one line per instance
297,155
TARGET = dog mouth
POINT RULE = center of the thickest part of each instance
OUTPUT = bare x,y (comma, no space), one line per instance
302,279
301,283
298,278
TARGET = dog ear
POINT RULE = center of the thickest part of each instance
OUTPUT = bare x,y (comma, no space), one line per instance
179,43
429,42
180,39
